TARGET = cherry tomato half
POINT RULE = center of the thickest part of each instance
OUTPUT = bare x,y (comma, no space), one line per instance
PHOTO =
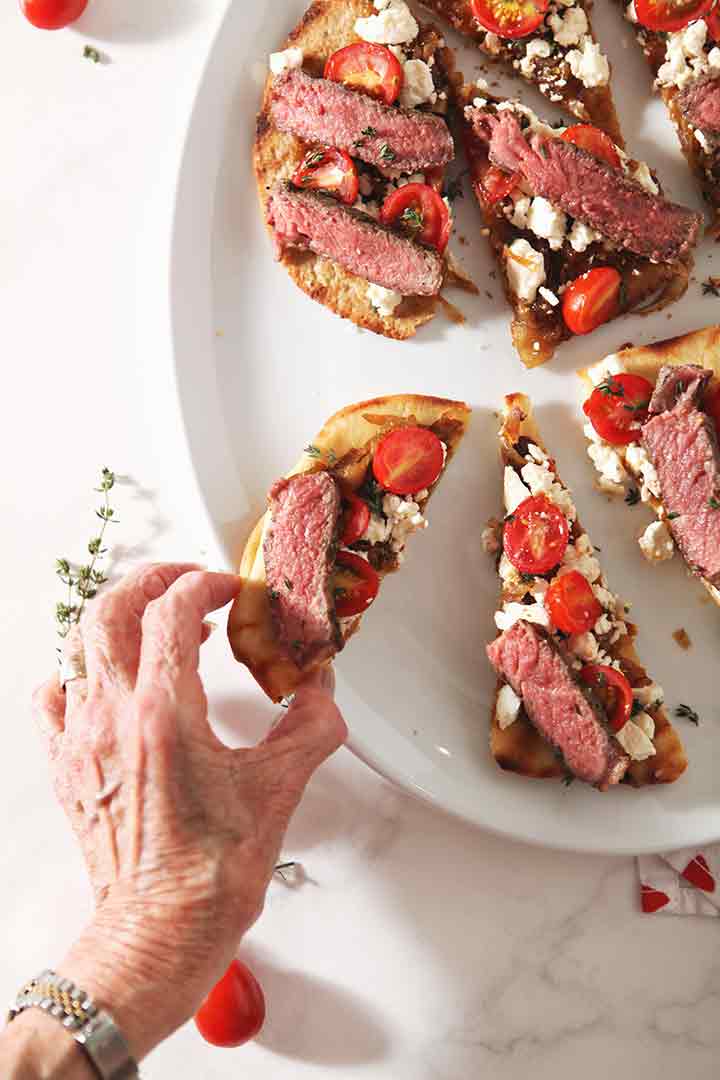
356,518
408,460
234,1010
510,18
355,583
52,14
536,535
571,603
372,69
711,405
591,300
670,14
619,407
329,170
595,141
611,682
421,212
496,184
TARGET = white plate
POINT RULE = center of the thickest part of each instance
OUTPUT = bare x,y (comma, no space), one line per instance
260,367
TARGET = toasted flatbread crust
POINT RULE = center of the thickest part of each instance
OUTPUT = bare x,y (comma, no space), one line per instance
327,25
593,105
520,748
250,627
698,347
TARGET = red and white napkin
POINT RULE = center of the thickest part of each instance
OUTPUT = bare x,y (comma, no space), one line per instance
682,883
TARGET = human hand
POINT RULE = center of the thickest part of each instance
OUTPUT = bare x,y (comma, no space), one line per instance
180,833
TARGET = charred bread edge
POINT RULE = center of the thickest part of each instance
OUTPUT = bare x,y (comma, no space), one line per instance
326,26
697,347
520,748
250,627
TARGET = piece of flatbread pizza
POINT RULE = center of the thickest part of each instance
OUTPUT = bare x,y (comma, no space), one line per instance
573,699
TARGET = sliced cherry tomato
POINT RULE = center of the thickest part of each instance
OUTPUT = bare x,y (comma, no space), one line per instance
356,584
510,18
591,300
52,14
571,603
496,184
234,1010
408,460
421,211
373,69
615,691
713,23
329,170
595,141
670,14
356,518
711,405
536,535
619,407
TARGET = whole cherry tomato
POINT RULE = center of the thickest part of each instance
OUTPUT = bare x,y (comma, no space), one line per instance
52,14
234,1010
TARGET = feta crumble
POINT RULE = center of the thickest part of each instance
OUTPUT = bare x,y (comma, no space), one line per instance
686,57
611,365
638,461
656,543
394,24
549,295
281,62
589,65
649,695
644,177
581,236
541,481
608,463
385,301
513,612
547,221
584,646
514,489
579,556
635,742
570,28
525,269
507,707
418,86
536,49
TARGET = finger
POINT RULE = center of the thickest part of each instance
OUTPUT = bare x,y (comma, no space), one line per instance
73,674
312,728
49,707
172,627
112,626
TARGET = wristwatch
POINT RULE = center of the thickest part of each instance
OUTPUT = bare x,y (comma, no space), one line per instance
95,1030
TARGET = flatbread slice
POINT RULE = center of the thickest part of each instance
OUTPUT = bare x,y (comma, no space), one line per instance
344,447
517,746
619,472
552,58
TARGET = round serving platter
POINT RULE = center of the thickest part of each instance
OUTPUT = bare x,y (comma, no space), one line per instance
260,367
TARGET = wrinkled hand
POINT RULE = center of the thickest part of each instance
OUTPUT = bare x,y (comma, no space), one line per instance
180,833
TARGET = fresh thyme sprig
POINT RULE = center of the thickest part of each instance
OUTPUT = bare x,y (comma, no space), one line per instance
83,581
685,712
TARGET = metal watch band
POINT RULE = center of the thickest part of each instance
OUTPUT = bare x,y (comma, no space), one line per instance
93,1029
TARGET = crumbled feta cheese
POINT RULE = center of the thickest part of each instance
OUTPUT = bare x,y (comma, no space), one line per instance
685,56
700,137
581,236
285,61
378,530
635,742
652,694
491,43
570,28
713,58
479,102
547,221
385,301
549,295
578,558
482,84
644,177
513,612
605,598
418,86
506,571
640,464
656,543
489,540
520,210
646,723
535,49
609,466
534,451
604,625
584,646
541,480
507,707
403,517
590,65
631,13
610,365
525,269
514,490
538,589
393,25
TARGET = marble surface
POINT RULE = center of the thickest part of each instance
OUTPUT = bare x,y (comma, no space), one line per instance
418,948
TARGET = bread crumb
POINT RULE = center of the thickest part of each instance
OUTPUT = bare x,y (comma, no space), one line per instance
682,638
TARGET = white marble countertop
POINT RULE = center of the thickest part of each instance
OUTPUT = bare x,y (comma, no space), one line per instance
420,949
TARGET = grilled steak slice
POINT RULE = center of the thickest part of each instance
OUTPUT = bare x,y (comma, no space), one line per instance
699,103
312,220
555,703
681,442
589,189
394,140
299,552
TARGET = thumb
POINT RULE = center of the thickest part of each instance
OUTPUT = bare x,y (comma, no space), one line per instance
313,723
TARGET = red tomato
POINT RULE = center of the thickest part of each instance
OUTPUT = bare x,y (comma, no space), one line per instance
618,407
420,210
536,535
408,460
711,404
356,519
373,69
356,584
595,141
52,14
496,184
510,18
234,1010
571,603
329,170
604,678
591,300
670,14
713,23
